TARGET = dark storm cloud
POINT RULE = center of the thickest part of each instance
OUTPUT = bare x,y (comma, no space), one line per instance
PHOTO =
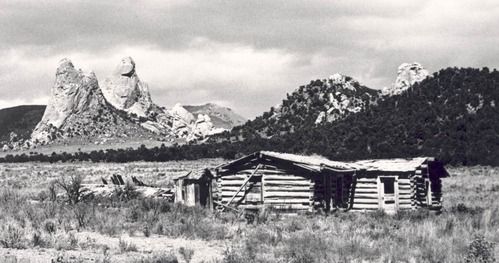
200,51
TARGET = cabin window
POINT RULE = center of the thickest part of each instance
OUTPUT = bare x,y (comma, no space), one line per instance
389,185
254,190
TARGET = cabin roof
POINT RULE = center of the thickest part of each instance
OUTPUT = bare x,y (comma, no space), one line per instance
312,163
390,165
317,162
194,174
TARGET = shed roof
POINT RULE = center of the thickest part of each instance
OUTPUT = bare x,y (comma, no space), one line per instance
194,174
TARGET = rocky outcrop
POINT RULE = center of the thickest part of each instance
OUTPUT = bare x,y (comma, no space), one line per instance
76,108
79,109
185,125
124,90
222,118
74,94
408,75
203,126
344,95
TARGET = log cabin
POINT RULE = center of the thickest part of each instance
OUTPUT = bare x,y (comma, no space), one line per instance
194,188
293,183
386,184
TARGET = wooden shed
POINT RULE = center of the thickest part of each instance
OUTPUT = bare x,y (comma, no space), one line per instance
194,188
295,183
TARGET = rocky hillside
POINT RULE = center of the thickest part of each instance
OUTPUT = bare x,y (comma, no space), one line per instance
221,117
451,115
318,102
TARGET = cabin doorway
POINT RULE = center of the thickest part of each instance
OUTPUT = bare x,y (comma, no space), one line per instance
388,194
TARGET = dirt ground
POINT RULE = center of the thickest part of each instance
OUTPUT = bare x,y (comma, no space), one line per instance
107,248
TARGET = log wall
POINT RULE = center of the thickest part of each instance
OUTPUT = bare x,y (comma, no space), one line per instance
283,189
295,190
366,196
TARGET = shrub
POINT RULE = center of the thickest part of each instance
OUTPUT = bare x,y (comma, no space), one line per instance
13,237
126,246
480,250
50,226
463,209
187,253
73,188
66,241
158,258
37,239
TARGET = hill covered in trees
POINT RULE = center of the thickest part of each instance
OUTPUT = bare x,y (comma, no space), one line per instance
451,115
20,120
320,101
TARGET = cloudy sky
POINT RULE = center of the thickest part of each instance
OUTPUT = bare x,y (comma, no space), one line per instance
245,55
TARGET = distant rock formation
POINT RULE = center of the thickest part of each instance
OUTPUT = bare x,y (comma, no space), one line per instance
344,95
74,95
222,118
77,107
124,90
408,75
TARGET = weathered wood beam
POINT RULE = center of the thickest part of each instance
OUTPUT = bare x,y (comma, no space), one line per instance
244,184
225,206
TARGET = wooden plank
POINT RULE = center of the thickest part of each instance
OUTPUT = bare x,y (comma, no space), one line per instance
405,181
366,180
370,190
260,171
232,182
272,182
365,200
365,195
291,207
284,194
285,177
263,188
232,193
287,201
229,188
225,206
405,201
278,207
298,188
227,199
365,206
235,177
370,186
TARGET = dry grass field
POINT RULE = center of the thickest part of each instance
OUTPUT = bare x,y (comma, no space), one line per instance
33,228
